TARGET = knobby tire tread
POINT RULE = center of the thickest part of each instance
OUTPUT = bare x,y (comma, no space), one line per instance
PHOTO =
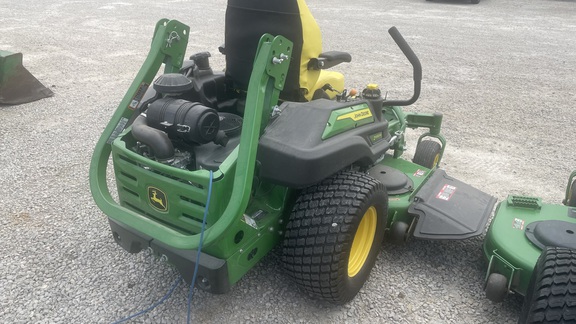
320,232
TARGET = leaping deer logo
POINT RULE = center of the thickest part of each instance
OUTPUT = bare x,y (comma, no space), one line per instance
157,199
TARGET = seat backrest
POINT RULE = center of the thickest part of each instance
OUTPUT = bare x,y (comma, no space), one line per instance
248,20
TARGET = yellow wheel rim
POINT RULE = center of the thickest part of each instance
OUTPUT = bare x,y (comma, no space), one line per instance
436,158
362,243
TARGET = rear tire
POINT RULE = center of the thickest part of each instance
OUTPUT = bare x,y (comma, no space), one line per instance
475,1
551,295
334,235
427,154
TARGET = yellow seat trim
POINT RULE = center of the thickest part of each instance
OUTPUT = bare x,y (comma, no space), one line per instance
311,80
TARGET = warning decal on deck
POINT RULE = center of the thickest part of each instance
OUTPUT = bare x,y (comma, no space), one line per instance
419,173
518,224
446,192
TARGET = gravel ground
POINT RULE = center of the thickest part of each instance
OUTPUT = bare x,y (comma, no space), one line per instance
502,72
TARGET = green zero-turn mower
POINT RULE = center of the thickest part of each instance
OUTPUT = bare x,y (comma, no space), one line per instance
273,151
531,250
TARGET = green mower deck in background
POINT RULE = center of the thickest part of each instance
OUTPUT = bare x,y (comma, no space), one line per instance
531,250
323,179
17,85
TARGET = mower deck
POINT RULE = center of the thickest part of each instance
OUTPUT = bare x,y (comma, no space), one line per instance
522,226
434,205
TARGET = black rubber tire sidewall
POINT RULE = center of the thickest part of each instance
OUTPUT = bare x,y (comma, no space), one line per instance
572,195
323,273
426,152
554,273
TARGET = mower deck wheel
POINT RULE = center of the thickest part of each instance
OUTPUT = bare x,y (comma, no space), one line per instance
551,294
334,235
399,232
427,154
496,287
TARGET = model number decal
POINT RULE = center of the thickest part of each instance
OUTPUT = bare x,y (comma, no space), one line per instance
446,192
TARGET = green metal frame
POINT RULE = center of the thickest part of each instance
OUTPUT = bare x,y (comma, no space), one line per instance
168,47
244,221
398,121
498,264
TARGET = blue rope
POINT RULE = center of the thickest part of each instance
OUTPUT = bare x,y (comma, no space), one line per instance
191,290
154,305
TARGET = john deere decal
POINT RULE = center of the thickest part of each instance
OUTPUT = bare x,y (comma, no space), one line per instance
157,199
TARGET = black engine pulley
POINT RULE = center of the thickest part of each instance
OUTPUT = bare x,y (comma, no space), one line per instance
189,121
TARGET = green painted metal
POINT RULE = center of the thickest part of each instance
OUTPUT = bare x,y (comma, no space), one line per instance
168,48
512,254
399,121
17,85
344,119
398,204
243,222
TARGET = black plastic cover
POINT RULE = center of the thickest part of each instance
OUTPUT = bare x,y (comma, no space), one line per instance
292,153
552,233
172,83
396,182
450,209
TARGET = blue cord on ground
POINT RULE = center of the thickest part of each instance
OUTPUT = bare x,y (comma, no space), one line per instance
163,299
191,289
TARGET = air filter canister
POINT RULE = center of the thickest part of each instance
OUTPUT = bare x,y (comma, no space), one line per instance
189,121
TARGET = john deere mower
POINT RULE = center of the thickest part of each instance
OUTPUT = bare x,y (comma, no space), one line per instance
531,251
215,169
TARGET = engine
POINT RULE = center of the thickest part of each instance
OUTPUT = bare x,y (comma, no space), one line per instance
173,126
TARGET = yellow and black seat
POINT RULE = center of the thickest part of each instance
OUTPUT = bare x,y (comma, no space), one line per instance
248,20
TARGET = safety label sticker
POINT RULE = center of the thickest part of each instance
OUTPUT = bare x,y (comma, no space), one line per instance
138,96
518,224
446,192
117,130
250,221
419,173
